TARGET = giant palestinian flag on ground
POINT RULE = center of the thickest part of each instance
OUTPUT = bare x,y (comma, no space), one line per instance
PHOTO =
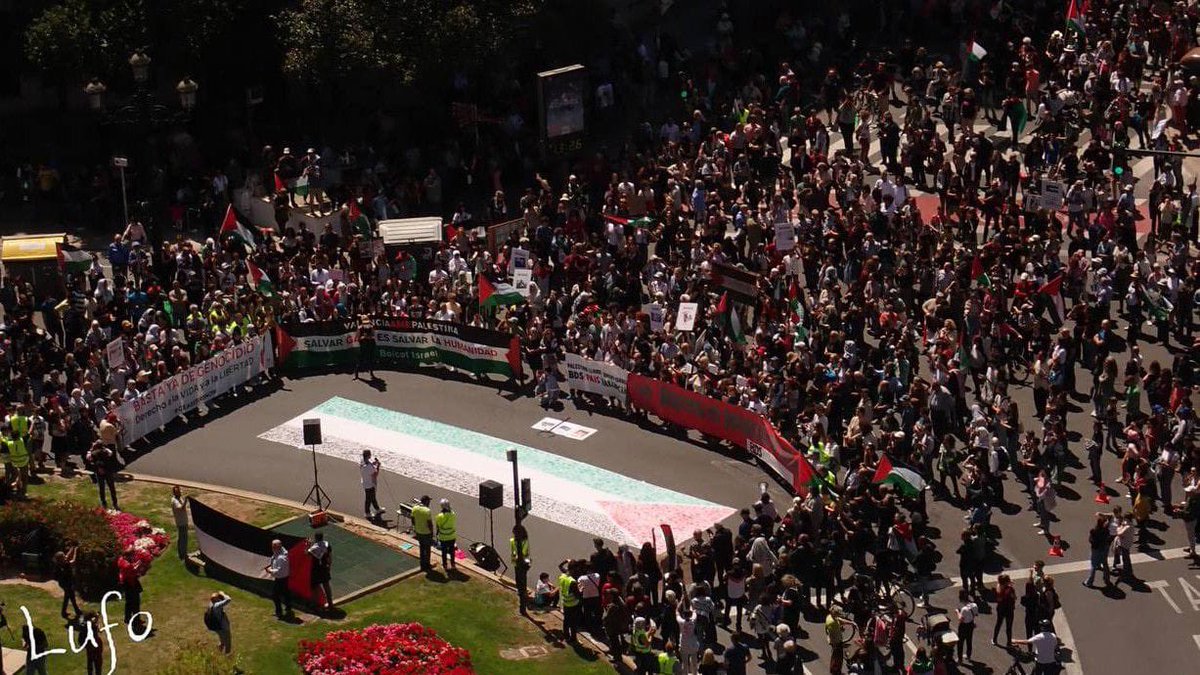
402,342
245,549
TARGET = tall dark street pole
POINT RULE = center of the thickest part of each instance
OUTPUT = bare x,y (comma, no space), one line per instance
520,509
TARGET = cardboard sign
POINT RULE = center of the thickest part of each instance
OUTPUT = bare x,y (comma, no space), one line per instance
785,236
115,353
685,319
564,428
522,280
519,259
1053,195
657,315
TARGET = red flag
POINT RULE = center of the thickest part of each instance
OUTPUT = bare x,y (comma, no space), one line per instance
451,232
280,186
976,268
1054,286
616,219
882,470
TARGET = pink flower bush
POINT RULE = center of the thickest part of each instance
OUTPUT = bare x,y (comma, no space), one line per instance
132,532
393,649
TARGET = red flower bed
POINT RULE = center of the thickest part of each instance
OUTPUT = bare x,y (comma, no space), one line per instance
133,532
394,649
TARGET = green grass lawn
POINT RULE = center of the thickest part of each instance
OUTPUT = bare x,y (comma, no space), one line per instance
473,613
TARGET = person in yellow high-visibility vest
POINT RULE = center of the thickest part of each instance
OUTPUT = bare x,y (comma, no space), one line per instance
422,520
639,645
446,524
518,546
570,597
667,663
18,455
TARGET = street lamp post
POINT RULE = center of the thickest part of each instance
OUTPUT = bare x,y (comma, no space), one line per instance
143,113
521,499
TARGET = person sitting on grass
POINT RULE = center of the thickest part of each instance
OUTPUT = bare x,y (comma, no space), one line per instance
545,595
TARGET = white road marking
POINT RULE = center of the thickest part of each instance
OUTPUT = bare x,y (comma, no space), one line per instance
1065,568
1161,585
1067,638
1194,637
1190,592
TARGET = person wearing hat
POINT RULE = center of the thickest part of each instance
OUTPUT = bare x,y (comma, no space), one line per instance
446,524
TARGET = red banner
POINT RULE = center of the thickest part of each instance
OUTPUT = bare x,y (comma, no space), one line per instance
709,416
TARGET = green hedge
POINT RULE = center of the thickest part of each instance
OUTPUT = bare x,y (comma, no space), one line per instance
60,523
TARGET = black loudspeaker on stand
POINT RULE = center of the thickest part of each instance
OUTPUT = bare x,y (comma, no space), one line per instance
317,495
491,497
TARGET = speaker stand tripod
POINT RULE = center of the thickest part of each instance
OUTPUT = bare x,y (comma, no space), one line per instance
317,494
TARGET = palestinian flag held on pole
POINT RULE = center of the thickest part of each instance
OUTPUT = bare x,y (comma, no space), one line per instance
907,481
72,260
358,220
977,52
728,309
232,227
494,295
1053,288
806,474
259,280
302,186
1075,15
978,275
742,285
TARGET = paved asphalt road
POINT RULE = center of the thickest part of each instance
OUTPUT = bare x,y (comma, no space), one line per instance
224,449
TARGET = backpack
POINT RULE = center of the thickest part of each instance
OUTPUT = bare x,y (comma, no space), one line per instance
211,621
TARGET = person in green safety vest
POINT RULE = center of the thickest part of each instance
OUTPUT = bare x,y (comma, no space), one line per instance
518,546
422,520
668,664
639,646
18,457
19,422
446,524
571,598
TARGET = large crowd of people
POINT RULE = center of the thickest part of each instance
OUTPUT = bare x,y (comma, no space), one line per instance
884,325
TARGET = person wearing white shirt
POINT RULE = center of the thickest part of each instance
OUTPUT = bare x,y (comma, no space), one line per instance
966,625
280,570
368,469
1045,650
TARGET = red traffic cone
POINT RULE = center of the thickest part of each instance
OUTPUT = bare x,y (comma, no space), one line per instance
1101,494
1056,548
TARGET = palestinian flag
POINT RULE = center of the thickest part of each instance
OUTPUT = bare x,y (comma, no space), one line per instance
72,260
259,280
728,309
245,550
978,275
807,477
907,481
977,52
494,295
232,227
359,223
742,285
616,220
302,186
280,186
309,345
1075,16
1053,288
797,309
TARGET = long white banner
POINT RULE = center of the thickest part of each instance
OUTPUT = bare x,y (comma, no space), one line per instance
184,392
595,377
